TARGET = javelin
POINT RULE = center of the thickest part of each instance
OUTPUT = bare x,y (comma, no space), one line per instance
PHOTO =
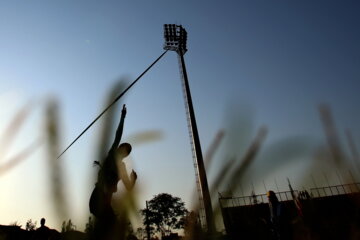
113,102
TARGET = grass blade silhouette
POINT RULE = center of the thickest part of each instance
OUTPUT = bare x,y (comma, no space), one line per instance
248,158
20,157
55,167
106,132
13,128
212,149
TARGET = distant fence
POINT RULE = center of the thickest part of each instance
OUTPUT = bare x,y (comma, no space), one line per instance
335,190
343,189
252,200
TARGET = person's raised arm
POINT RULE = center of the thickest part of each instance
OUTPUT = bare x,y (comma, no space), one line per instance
119,130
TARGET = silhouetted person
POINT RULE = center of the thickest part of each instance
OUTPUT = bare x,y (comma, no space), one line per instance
112,170
279,219
43,232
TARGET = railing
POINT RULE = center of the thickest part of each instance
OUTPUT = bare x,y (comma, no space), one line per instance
252,200
343,189
335,190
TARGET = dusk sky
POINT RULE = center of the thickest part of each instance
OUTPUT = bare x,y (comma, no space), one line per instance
249,63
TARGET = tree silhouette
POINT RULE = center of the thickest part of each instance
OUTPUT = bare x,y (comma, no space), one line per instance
165,212
67,226
15,224
30,225
89,227
140,233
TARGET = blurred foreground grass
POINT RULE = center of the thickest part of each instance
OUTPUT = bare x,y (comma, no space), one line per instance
231,171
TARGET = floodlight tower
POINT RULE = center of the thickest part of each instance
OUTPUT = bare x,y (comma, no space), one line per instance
175,40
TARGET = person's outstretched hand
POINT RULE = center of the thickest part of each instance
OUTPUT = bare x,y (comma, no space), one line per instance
123,111
133,176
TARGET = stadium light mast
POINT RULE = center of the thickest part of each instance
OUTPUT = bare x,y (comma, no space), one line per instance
175,40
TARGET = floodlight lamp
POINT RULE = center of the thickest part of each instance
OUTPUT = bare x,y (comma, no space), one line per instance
175,38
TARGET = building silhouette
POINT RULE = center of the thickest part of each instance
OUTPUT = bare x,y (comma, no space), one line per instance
331,212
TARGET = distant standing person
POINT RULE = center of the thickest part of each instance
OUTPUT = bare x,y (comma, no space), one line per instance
279,219
43,232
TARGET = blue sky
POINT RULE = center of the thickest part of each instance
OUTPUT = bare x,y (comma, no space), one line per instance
250,63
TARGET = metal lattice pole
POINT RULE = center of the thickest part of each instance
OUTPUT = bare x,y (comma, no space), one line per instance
175,40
